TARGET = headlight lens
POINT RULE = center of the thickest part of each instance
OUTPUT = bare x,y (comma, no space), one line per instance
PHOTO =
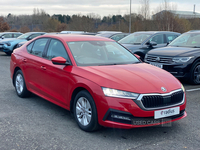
118,93
8,44
182,87
181,59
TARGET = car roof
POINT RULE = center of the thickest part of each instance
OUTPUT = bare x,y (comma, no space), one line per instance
77,37
154,32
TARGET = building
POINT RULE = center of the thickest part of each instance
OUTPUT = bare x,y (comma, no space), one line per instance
180,14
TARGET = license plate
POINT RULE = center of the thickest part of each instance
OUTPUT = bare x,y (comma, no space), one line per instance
157,65
1,46
166,112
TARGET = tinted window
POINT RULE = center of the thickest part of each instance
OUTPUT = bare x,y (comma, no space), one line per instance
158,39
34,35
8,36
135,38
16,35
118,37
39,46
56,49
29,47
170,37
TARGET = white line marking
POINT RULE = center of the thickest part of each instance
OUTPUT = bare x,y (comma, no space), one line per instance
193,90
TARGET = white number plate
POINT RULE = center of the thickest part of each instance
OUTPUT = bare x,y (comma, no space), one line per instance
166,112
157,65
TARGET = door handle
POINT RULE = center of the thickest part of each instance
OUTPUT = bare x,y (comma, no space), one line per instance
24,60
43,67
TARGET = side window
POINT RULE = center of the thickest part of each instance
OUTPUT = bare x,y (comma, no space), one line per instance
158,39
8,36
56,49
16,35
170,37
39,46
34,35
29,47
118,37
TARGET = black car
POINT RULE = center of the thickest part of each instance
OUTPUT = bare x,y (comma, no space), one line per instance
141,42
112,35
181,57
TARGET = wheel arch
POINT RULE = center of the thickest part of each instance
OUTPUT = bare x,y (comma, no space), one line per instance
74,93
16,69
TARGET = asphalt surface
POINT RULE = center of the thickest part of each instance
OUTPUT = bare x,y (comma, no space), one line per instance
36,124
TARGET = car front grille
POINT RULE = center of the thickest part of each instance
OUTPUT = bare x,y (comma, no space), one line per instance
158,59
156,101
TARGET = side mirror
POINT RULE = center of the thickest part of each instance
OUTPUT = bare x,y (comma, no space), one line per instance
2,37
137,56
151,44
60,61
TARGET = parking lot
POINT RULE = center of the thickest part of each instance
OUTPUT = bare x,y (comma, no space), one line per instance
34,123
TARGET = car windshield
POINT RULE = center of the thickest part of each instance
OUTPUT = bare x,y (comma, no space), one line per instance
24,36
187,40
135,38
96,53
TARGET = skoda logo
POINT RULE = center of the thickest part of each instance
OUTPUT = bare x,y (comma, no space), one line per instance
158,59
163,89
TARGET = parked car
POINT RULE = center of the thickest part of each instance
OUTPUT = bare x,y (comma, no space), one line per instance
5,35
113,35
22,43
8,45
141,42
181,57
98,80
78,32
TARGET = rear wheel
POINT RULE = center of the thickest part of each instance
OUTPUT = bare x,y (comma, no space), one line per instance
195,73
85,112
20,85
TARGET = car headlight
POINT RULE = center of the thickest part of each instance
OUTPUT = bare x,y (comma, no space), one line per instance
182,87
181,59
8,44
118,93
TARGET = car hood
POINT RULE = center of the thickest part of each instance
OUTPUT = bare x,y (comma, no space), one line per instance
8,39
131,46
138,78
173,51
12,40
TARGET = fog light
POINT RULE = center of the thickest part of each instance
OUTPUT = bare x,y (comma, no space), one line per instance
121,117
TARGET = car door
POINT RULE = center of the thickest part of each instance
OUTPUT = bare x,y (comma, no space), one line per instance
159,39
57,78
33,65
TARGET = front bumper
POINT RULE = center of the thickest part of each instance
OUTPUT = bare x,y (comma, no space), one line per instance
119,119
125,113
4,48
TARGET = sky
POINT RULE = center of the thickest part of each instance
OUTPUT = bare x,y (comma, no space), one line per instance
85,7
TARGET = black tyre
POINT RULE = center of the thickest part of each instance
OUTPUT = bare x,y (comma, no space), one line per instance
20,85
195,73
8,53
85,112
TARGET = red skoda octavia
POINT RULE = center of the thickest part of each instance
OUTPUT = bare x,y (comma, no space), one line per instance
98,80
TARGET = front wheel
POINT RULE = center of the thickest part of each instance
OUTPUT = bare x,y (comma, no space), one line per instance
20,85
195,73
85,112
8,53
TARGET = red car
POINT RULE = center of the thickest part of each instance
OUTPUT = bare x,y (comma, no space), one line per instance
98,80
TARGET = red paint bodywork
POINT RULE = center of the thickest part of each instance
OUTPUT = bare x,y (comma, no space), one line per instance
56,83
